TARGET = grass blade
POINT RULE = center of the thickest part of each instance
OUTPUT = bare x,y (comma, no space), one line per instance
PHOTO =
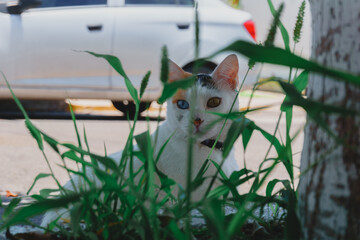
247,133
37,208
35,133
10,208
236,128
300,83
272,183
171,88
38,177
272,32
280,56
116,64
284,33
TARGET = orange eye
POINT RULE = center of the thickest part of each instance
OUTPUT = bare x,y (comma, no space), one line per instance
213,102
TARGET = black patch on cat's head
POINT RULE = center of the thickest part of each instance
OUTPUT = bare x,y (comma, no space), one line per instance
205,80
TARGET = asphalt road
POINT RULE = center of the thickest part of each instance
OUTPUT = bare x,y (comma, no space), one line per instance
21,160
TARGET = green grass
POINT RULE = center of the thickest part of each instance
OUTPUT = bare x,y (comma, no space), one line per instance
127,207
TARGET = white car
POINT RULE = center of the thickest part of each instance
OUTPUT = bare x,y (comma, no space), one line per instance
42,44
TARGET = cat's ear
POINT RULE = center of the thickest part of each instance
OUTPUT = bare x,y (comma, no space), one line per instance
176,72
226,74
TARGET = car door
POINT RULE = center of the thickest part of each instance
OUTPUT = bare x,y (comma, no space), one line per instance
43,46
143,27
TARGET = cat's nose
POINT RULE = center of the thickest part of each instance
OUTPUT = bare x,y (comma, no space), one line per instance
197,122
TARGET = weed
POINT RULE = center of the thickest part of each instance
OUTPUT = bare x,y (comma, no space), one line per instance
111,205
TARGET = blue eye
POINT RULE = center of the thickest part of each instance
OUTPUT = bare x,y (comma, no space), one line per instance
182,104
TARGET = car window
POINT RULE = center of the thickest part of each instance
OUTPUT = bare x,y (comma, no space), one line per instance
63,3
163,2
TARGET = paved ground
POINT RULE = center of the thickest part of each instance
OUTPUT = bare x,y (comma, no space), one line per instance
21,160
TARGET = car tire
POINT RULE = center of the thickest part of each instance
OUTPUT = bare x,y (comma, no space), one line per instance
207,68
128,107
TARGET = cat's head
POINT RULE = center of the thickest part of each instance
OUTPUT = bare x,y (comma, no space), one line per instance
215,92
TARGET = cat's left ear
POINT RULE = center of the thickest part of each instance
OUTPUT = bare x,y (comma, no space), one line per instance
226,74
176,72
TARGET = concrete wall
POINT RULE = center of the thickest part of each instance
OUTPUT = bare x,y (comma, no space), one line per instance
263,19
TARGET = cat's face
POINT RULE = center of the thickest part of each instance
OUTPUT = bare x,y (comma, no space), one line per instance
213,93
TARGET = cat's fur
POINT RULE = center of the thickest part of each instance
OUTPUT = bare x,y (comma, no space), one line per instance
221,84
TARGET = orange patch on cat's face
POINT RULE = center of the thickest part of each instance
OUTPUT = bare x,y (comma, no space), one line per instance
179,95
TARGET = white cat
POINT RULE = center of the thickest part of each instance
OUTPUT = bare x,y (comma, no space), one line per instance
214,93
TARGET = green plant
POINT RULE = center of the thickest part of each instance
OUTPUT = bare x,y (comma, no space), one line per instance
130,207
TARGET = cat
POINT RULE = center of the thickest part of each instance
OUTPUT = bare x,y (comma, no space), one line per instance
214,92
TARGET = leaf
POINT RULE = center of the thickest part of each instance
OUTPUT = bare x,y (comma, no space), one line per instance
10,208
280,149
72,155
52,142
313,108
246,135
292,223
116,64
17,101
37,208
144,142
272,139
218,191
93,161
238,174
106,161
163,147
35,133
38,177
166,182
215,218
75,126
237,115
174,228
106,178
300,83
80,174
75,216
288,147
171,88
280,56
144,83
272,183
236,128
46,192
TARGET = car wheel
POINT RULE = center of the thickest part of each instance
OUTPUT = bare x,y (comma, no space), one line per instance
128,107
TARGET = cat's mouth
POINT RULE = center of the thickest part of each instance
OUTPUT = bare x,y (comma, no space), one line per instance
197,129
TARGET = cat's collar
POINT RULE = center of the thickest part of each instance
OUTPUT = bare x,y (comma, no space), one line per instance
210,142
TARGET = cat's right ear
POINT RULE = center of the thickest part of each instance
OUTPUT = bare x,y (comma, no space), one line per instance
226,74
176,72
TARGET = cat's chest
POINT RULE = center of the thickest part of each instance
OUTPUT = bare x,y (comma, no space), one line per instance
174,159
